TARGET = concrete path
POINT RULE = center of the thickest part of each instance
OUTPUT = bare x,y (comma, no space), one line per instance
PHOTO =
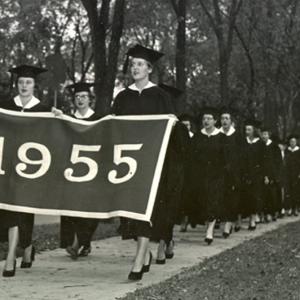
103,275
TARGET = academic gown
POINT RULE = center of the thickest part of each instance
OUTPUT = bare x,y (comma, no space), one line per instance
252,178
84,228
271,169
151,100
187,173
8,219
169,201
233,171
293,181
209,168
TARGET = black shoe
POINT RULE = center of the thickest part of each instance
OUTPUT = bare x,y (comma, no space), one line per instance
73,252
208,241
27,265
251,228
10,273
85,251
237,228
135,276
146,268
170,255
226,235
161,261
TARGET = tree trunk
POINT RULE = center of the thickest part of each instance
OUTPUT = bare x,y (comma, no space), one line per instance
105,63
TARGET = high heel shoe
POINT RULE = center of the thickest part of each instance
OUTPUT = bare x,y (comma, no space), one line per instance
227,234
208,241
85,251
237,228
27,265
170,255
10,273
73,252
135,276
146,268
161,261
251,228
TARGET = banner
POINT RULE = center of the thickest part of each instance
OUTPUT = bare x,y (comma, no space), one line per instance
63,166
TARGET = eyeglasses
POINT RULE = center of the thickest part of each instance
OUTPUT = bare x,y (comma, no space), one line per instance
79,97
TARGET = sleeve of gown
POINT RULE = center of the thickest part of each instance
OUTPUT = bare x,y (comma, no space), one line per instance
115,110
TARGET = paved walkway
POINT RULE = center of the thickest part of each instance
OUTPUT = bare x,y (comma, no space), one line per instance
102,275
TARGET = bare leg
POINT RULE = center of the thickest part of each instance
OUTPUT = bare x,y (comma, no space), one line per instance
13,239
161,255
184,224
27,254
75,244
227,227
210,230
252,221
141,251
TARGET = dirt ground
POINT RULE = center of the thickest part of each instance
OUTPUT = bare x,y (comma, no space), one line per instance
265,268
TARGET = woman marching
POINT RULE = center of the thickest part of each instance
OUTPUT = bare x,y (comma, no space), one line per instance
76,233
208,155
252,178
20,225
170,190
232,147
293,175
141,98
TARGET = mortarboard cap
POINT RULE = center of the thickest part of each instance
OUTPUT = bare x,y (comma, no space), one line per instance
293,136
210,111
252,122
171,90
80,87
228,110
265,129
140,51
27,71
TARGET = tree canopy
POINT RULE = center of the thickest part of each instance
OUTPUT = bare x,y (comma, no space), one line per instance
242,54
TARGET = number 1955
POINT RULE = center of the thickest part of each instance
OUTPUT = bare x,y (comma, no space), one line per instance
76,157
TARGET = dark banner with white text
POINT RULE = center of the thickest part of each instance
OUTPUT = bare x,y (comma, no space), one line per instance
63,166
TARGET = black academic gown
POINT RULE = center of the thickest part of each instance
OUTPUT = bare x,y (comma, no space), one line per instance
252,178
209,168
24,221
233,171
84,228
152,100
293,181
187,174
271,169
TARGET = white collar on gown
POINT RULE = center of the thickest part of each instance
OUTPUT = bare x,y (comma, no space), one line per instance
30,104
231,131
255,140
215,132
147,86
88,114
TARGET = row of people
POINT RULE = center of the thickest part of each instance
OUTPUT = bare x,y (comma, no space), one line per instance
210,176
233,174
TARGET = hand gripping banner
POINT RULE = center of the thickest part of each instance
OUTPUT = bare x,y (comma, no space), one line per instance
63,166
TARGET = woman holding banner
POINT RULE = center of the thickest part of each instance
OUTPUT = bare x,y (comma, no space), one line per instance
141,98
76,233
20,225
